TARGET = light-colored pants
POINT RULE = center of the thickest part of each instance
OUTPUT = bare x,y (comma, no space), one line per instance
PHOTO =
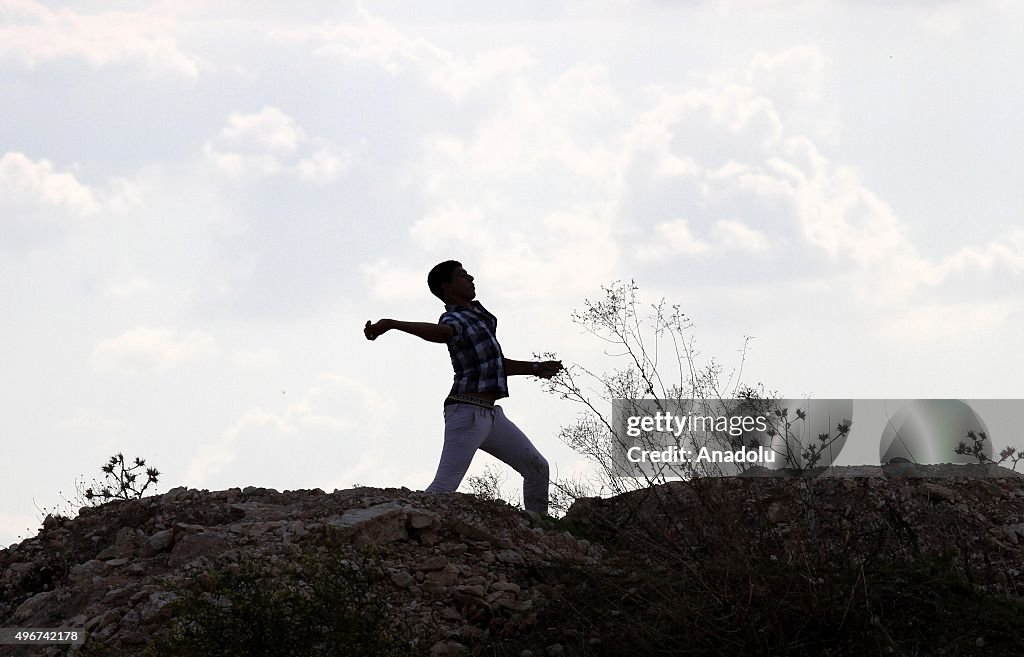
467,428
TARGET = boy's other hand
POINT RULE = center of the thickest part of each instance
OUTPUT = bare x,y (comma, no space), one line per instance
549,368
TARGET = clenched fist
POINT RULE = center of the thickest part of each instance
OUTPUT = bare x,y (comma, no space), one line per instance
371,331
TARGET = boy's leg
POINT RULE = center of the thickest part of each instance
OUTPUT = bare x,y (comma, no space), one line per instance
465,427
508,443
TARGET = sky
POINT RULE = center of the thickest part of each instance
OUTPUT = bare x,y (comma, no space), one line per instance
201,203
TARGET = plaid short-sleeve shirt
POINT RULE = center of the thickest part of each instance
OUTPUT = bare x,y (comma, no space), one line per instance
476,355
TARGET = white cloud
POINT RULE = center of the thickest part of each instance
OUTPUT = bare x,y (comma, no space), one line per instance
144,350
258,359
272,143
675,238
458,76
1006,255
87,419
324,166
368,38
392,282
450,224
25,181
796,74
731,234
41,203
920,323
130,287
733,107
945,21
672,238
270,130
335,404
761,119
33,33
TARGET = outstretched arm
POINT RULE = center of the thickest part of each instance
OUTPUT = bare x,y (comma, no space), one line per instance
544,369
429,332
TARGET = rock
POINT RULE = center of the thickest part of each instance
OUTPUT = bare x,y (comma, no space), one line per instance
158,542
475,590
511,556
475,533
157,607
87,571
402,579
432,563
448,649
39,601
940,492
376,525
192,546
444,577
419,519
173,495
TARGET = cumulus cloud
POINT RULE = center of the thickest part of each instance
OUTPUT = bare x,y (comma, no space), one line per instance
947,321
272,143
450,223
257,359
1005,255
32,33
368,38
130,287
672,238
336,406
392,282
675,238
146,350
733,162
736,235
40,201
26,181
945,21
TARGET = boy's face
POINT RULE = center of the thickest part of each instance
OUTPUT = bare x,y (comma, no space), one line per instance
461,285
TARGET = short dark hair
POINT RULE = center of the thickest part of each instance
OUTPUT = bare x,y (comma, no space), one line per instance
441,273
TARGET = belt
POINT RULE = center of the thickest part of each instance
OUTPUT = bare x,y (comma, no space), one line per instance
466,399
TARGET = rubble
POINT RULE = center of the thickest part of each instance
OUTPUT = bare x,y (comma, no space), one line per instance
461,573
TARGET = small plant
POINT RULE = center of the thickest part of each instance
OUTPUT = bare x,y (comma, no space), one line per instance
977,450
659,369
802,455
120,484
124,479
488,486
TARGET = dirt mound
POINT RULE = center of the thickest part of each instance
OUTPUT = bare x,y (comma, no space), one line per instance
747,565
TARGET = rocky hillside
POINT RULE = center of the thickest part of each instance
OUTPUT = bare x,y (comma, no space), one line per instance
839,565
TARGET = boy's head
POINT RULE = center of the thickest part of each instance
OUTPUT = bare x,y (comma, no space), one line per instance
441,274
